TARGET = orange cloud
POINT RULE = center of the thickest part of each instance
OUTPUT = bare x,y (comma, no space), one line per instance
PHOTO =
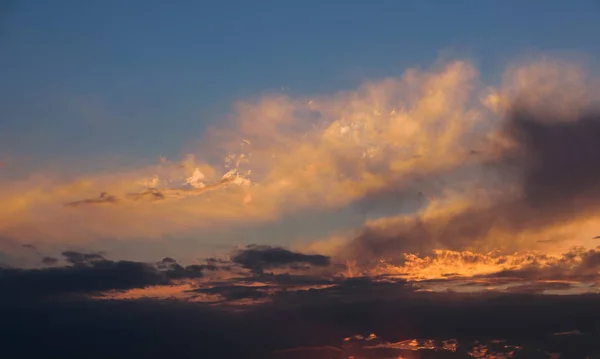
434,132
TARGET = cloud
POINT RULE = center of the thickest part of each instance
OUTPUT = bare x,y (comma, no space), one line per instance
539,178
90,273
231,293
77,258
433,159
574,271
49,260
539,287
317,309
154,194
314,153
156,329
258,258
102,199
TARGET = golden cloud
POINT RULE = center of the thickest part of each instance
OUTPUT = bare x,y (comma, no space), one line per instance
280,155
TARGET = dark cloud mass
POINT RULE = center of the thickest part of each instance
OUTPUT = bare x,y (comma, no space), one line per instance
49,260
90,273
555,162
77,258
292,313
560,159
77,328
258,258
174,270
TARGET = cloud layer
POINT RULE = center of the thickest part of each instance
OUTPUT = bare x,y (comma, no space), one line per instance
432,160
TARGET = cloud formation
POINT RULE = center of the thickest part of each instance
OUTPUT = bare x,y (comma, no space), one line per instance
432,160
155,329
322,152
257,258
89,273
544,179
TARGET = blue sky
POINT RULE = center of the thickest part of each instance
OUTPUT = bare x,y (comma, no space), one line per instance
137,79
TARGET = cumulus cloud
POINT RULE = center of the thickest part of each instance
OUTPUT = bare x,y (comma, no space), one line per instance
318,152
434,159
544,178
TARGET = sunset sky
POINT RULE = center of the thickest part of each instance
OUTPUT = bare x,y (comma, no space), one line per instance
94,94
224,152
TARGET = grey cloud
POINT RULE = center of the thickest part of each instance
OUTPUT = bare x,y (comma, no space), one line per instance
290,319
258,257
555,164
90,273
539,287
78,258
49,282
559,157
578,264
159,329
49,260
236,292
104,198
174,270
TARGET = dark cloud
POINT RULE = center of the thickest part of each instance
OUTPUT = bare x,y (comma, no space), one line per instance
151,194
288,279
159,329
203,267
104,198
174,270
559,158
127,329
258,258
216,261
91,273
78,258
551,240
539,287
106,275
236,292
49,260
77,326
555,163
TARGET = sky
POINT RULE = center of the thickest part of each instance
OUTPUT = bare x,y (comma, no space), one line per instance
141,79
323,171
90,89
